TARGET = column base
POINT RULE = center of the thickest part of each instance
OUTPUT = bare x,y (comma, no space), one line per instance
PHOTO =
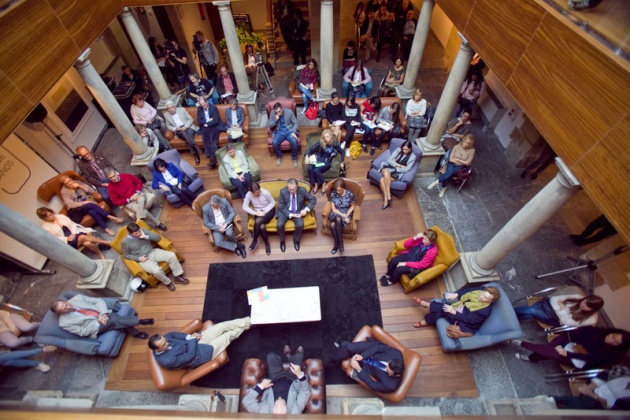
174,98
405,93
324,94
99,278
430,158
474,273
145,158
249,100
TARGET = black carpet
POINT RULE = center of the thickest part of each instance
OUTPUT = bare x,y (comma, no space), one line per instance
349,300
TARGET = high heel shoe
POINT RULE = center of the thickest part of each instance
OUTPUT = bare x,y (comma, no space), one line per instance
268,248
385,205
314,189
252,246
420,324
324,188
341,249
418,300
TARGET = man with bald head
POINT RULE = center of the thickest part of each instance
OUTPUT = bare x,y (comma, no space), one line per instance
92,167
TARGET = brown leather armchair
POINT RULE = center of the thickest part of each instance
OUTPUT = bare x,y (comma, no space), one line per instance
254,370
52,188
411,358
201,201
134,266
350,231
166,380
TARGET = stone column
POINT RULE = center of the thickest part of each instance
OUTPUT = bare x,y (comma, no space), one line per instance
326,51
110,105
148,61
480,266
417,49
33,236
245,95
449,96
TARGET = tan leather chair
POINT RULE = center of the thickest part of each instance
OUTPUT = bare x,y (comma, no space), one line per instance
446,257
254,370
133,266
52,188
201,201
350,231
166,380
411,359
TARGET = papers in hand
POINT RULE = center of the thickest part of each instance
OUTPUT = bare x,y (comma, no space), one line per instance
355,123
312,159
226,94
385,125
339,123
369,123
257,295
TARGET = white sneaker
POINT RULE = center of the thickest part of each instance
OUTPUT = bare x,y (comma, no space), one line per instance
347,153
43,367
433,184
278,161
442,192
343,145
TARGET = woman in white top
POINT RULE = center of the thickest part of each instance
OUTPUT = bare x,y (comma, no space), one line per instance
415,110
568,310
263,208
357,81
144,114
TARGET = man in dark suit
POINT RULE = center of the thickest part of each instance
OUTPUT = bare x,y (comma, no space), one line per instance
177,350
294,203
376,364
210,125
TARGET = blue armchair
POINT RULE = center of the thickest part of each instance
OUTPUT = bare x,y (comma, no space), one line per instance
107,344
399,186
173,156
501,325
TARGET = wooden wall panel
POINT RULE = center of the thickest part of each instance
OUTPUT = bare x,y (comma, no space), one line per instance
85,20
458,11
36,49
500,32
569,89
14,107
605,174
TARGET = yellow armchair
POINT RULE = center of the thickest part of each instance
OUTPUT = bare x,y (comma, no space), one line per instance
133,266
447,256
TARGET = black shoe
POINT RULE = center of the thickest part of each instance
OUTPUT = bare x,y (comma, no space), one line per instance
141,335
385,281
252,246
334,250
268,248
283,247
162,227
364,148
386,205
237,251
379,147
341,249
243,251
212,164
372,151
146,321
104,247
197,160
296,244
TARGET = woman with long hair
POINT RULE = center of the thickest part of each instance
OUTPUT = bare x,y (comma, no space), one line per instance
357,81
352,116
308,77
389,115
568,310
370,108
395,77
400,162
471,90
259,203
324,151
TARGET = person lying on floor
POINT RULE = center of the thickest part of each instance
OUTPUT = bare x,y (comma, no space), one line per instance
90,317
176,350
377,365
469,312
283,392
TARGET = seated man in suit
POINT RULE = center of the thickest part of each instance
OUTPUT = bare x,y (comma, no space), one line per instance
284,125
218,216
177,350
237,168
90,317
284,392
181,123
234,120
210,126
294,203
376,364
127,190
138,246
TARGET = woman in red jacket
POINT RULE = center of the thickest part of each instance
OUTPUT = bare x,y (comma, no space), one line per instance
419,254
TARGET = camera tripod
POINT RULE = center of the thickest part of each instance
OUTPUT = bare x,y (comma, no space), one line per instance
586,264
263,78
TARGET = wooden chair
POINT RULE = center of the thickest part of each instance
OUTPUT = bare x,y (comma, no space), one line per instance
134,266
254,370
446,257
52,188
204,198
411,359
166,380
350,231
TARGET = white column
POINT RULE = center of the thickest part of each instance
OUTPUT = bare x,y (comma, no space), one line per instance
480,266
144,52
449,96
33,236
417,49
326,51
112,108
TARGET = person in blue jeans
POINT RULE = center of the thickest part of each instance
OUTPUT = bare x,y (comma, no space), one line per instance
284,125
461,156
570,310
21,359
308,77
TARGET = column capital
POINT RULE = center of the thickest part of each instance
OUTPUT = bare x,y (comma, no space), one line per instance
222,5
566,177
465,45
126,11
327,2
83,59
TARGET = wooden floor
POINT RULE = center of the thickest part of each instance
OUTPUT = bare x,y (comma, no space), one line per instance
440,375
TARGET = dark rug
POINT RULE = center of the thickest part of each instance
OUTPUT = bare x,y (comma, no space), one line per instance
349,300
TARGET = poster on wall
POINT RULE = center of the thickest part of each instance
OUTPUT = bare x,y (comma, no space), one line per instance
21,172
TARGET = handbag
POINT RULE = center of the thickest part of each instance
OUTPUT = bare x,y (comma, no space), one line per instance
235,132
453,331
156,123
417,122
312,111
